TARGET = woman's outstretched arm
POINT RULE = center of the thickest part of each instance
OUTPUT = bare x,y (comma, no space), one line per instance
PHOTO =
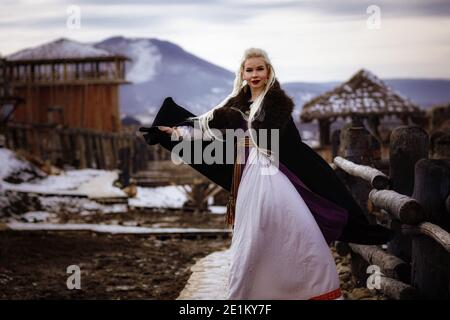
186,132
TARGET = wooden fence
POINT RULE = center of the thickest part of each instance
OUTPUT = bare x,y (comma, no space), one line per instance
410,194
81,148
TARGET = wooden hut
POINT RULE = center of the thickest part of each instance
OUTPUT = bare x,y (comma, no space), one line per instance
67,111
364,96
67,84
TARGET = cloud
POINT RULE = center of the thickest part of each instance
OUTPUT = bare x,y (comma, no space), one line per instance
308,39
392,8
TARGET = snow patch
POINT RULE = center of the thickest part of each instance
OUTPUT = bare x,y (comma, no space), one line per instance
159,197
10,163
218,209
104,228
38,216
145,59
90,183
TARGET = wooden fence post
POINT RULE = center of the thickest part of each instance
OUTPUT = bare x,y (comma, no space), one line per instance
73,147
430,262
9,138
355,145
81,152
100,155
408,144
90,151
124,166
106,150
356,148
197,196
335,143
115,150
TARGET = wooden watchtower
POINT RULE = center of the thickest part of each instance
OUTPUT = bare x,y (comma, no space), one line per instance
67,84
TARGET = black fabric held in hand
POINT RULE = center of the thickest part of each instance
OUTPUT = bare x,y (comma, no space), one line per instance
170,114
152,135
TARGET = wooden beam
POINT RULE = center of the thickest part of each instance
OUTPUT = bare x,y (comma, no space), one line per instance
431,230
397,290
402,207
389,264
377,179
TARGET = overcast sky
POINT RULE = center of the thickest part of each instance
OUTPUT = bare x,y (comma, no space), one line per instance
310,40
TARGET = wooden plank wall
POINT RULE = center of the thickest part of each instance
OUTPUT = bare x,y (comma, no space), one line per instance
91,106
80,148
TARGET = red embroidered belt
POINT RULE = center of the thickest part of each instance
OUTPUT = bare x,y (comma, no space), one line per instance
329,295
237,173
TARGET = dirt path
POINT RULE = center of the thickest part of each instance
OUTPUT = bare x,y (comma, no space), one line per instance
33,264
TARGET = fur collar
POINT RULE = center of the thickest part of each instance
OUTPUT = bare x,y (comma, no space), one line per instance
274,114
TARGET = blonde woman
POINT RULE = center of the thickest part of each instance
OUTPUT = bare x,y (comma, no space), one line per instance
282,222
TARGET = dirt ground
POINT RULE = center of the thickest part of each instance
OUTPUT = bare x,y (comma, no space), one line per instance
33,265
150,218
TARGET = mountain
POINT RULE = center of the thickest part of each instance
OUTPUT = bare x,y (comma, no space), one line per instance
160,68
424,92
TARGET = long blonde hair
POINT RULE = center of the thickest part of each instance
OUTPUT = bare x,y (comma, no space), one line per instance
239,84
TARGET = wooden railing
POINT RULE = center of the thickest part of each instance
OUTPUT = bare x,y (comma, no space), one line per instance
413,200
101,70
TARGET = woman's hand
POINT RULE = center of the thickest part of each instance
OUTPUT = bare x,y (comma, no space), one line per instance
169,130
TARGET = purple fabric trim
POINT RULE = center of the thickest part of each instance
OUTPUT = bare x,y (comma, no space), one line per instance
330,217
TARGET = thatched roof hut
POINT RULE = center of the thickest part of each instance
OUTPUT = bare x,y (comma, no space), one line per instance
364,96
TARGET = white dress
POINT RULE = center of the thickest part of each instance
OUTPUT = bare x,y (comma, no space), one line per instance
277,250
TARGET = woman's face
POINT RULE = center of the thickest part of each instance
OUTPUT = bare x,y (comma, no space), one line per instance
255,72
